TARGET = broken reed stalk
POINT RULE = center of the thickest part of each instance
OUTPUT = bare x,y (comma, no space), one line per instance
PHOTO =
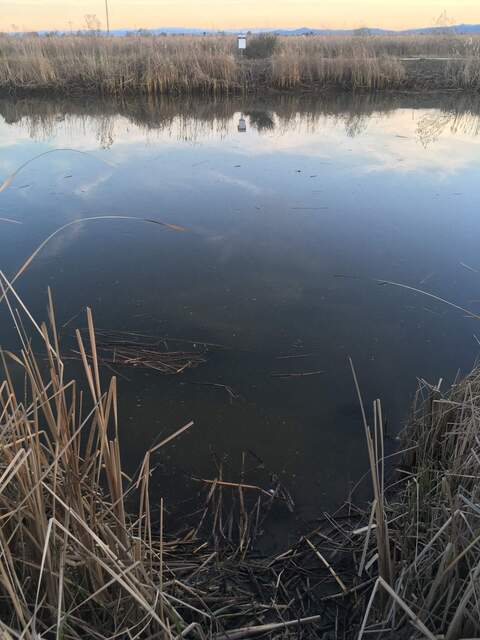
75,561
57,524
127,349
429,524
376,456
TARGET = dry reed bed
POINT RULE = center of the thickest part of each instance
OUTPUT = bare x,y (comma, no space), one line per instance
74,562
84,551
210,65
423,532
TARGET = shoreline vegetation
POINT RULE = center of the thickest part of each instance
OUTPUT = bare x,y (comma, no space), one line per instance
88,551
211,65
85,551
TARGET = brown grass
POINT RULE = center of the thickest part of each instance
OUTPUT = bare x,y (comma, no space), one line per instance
56,526
210,65
83,550
84,553
423,534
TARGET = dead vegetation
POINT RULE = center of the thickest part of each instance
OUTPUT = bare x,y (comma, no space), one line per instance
85,551
165,355
76,561
423,532
211,65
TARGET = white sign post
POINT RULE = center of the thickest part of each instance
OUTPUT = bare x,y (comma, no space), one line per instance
242,43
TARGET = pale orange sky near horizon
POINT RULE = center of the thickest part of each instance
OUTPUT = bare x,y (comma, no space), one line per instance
28,15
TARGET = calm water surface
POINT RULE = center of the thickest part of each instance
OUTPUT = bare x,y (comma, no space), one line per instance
374,188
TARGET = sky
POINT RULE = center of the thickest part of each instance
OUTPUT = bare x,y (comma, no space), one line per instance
30,15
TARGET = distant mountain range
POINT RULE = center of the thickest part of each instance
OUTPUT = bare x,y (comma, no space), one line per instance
302,31
471,29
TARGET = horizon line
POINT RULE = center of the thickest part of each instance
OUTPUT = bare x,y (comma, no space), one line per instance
258,29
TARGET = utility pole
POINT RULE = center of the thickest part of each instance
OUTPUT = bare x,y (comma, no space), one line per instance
108,17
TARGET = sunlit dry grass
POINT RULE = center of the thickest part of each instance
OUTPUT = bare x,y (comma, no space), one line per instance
211,64
83,547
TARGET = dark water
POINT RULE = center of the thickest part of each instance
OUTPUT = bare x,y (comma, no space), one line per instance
370,187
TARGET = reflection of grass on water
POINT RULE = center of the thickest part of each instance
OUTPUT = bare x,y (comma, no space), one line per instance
191,117
431,127
85,552
211,64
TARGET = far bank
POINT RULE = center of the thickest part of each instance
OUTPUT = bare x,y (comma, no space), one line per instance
212,65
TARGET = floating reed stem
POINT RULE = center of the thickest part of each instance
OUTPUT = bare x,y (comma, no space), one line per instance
165,355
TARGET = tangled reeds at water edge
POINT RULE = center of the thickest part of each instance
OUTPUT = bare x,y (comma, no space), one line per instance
434,518
85,552
155,65
77,558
